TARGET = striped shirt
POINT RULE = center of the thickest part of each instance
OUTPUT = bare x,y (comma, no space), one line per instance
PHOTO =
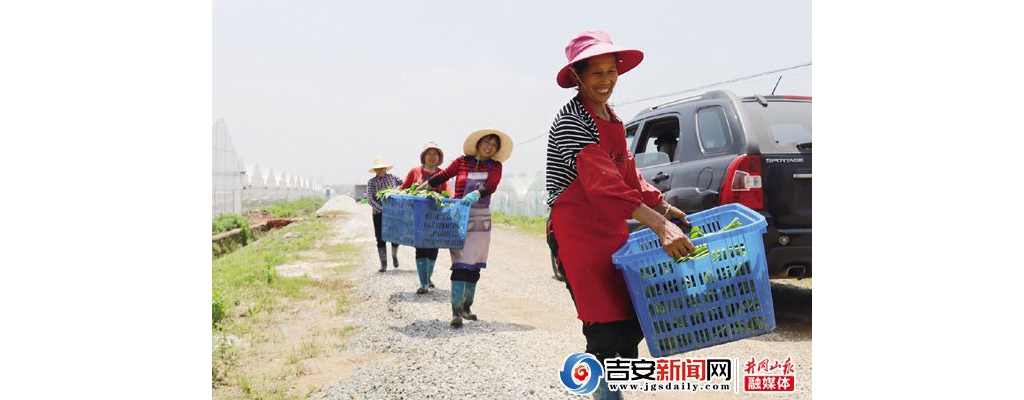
460,169
572,130
377,183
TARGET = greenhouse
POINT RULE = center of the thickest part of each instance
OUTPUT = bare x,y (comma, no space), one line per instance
237,185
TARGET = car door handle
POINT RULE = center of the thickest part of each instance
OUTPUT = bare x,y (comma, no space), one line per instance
801,176
659,177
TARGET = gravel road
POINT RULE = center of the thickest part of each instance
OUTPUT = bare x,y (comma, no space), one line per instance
405,348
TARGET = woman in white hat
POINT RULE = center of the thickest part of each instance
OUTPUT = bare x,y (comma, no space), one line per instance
430,158
381,180
593,188
477,174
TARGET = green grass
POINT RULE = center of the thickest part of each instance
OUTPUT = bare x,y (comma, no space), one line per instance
247,278
304,351
530,225
248,275
243,383
343,331
227,222
342,249
225,359
218,308
267,388
295,208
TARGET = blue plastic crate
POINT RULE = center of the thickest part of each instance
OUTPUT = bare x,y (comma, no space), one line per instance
726,296
419,222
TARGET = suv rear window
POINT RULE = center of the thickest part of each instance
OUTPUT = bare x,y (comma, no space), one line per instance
790,121
713,130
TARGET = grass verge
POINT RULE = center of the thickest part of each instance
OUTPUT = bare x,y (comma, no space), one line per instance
295,208
227,222
260,351
530,225
246,277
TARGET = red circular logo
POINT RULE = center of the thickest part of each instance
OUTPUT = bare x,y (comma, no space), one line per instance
580,373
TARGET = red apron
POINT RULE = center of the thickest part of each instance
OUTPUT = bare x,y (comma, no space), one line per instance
588,231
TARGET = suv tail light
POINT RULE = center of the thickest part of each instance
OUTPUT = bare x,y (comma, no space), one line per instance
743,183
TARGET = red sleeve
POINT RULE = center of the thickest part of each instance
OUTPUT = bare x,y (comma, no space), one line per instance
410,178
650,194
493,178
605,186
443,187
446,173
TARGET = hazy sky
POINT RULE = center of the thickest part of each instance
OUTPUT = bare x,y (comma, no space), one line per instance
318,88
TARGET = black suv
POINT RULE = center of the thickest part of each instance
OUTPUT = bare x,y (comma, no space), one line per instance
717,148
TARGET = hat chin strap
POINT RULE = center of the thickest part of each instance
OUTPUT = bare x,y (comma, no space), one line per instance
592,93
580,81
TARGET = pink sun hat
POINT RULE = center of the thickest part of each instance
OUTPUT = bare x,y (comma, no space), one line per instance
428,146
594,42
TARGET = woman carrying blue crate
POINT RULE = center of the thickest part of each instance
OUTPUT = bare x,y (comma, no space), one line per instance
477,174
430,158
381,180
593,188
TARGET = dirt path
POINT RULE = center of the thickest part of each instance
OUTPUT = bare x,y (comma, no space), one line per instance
403,347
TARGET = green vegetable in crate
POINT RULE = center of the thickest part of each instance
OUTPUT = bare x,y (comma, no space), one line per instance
414,191
735,223
702,250
698,252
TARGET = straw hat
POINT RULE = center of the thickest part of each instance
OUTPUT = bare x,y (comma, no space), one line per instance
469,147
593,42
379,163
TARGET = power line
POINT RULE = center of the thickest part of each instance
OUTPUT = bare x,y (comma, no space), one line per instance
712,85
690,90
531,139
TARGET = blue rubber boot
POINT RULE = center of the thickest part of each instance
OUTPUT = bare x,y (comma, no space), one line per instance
458,299
604,393
430,273
421,270
470,293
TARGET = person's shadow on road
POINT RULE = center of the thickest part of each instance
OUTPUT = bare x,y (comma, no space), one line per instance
438,329
410,296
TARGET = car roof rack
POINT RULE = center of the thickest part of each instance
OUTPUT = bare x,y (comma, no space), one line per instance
776,97
677,101
711,94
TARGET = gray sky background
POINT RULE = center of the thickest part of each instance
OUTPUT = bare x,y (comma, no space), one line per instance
318,88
